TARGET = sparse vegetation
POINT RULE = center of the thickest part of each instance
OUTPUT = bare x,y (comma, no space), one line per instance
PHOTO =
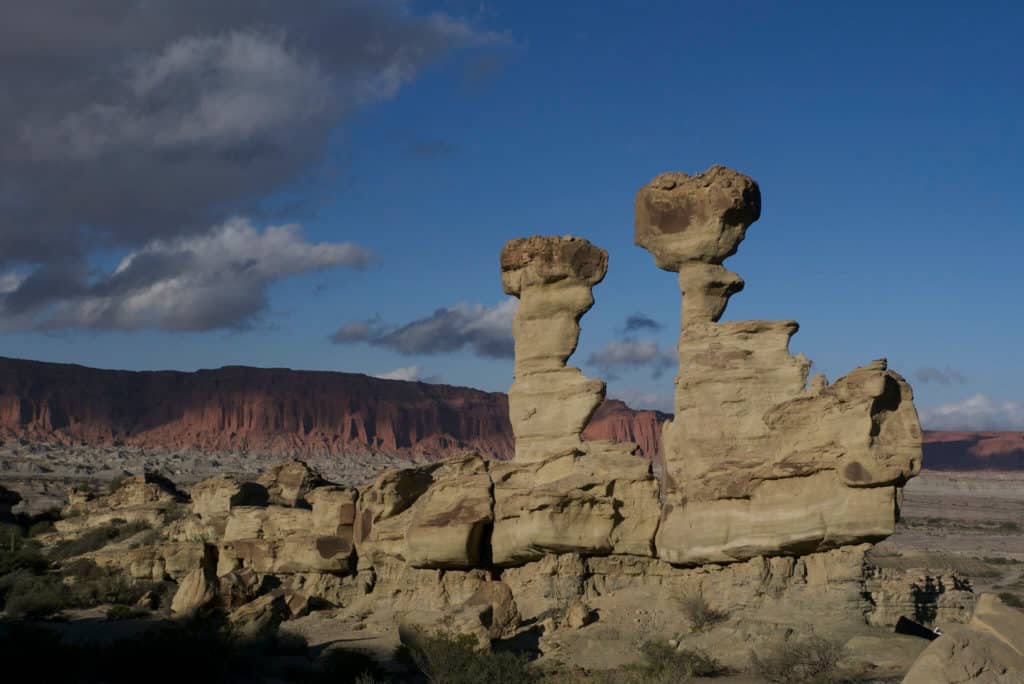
1010,599
96,538
807,661
663,664
457,660
700,614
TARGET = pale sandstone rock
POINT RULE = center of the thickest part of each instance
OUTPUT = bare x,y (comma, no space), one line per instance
334,509
756,461
216,496
298,553
195,591
433,516
579,615
595,501
261,616
929,596
280,539
549,403
987,650
289,483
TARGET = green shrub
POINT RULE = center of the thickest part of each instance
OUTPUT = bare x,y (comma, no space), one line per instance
808,661
700,614
1011,600
446,659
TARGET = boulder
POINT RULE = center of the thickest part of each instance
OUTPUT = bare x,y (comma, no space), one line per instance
288,483
195,591
432,516
215,497
260,617
594,501
334,510
987,650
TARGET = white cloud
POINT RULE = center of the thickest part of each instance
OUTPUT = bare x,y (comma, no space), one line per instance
9,282
209,281
407,373
975,413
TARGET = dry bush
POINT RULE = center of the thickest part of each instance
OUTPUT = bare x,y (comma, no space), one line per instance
663,664
96,538
700,614
807,661
445,659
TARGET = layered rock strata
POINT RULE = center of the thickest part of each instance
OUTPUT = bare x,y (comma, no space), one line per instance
549,402
757,460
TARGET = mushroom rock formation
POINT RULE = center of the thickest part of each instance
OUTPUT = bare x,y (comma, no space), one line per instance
560,494
550,403
757,461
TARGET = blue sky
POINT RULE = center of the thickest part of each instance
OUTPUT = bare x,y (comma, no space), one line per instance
886,138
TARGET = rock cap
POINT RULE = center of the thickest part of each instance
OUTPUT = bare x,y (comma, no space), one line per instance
543,259
703,218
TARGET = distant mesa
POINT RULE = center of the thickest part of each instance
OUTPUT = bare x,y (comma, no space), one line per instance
274,411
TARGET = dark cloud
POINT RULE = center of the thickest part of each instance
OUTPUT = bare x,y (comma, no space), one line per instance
431,149
632,354
639,321
947,377
125,122
359,331
487,332
215,280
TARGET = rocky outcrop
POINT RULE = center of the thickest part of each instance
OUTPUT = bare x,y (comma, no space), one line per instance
987,650
757,460
436,516
561,495
549,402
589,501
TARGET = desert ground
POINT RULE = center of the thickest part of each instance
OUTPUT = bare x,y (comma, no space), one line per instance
961,529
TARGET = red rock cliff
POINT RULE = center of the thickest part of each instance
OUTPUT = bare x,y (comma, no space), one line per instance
273,410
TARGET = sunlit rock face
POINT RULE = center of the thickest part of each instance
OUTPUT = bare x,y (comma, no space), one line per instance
549,402
758,461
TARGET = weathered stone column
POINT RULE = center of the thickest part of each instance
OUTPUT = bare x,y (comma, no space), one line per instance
550,403
755,460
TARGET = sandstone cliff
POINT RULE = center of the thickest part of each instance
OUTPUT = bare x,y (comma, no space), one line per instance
273,410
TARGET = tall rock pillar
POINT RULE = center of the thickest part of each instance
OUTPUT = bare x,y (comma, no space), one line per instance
549,402
757,461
